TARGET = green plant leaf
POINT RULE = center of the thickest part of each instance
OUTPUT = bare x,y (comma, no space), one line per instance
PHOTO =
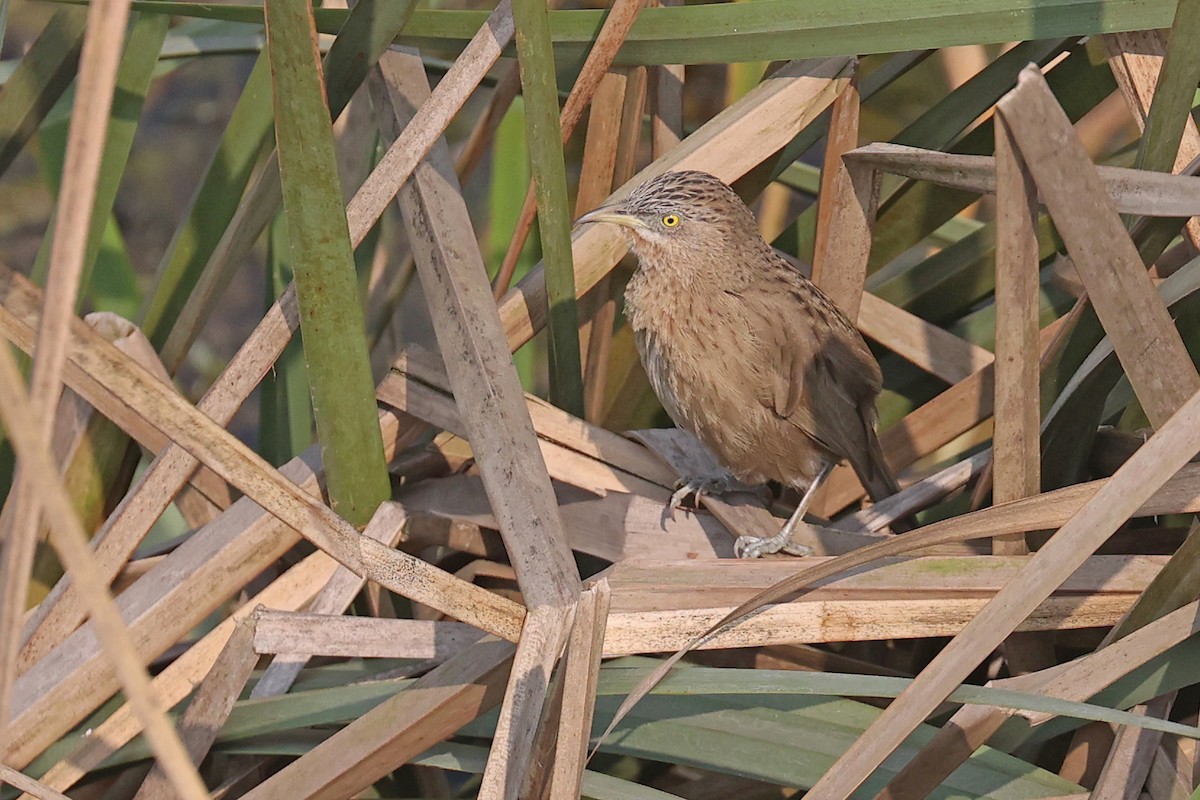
769,30
331,315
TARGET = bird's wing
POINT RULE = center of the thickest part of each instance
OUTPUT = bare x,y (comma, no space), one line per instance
819,374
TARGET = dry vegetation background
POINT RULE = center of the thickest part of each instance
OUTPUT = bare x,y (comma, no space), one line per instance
399,528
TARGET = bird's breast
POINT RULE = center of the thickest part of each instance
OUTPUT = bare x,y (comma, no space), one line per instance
693,348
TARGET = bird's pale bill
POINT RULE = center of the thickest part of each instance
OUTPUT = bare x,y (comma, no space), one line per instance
611,214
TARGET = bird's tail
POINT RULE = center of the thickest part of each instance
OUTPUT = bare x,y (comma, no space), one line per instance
878,479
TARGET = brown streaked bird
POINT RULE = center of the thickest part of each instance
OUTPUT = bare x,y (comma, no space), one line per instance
743,350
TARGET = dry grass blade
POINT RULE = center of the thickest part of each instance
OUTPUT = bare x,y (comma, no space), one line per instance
236,463
1133,315
70,541
933,349
1016,439
616,27
217,562
1136,60
81,174
1044,511
489,397
211,704
917,496
846,211
1129,760
28,785
1016,468
61,611
666,93
579,695
659,606
485,382
291,591
1166,452
251,218
431,709
386,526
972,726
545,633
1056,560
429,122
596,183
1175,587
508,85
311,634
728,146
1131,191
626,108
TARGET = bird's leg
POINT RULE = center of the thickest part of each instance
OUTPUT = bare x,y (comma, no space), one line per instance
753,547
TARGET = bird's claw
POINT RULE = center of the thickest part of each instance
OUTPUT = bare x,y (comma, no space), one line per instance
699,487
754,547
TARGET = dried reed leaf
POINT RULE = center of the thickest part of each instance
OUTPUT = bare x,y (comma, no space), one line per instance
1129,760
933,349
1166,452
846,210
291,591
1016,441
235,462
981,524
1136,59
1132,313
99,60
1017,465
311,634
543,637
617,25
61,611
917,496
666,101
210,705
660,607
218,561
1131,191
70,542
508,85
431,709
485,382
972,726
335,597
1173,770
28,785
429,122
597,178
584,650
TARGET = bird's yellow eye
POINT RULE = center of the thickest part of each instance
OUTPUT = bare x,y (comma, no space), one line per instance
670,220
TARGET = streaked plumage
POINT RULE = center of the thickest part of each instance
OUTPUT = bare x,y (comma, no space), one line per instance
741,348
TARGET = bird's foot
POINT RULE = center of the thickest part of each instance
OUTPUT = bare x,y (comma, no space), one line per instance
754,547
699,486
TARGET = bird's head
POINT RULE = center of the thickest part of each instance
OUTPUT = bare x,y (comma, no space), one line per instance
679,218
